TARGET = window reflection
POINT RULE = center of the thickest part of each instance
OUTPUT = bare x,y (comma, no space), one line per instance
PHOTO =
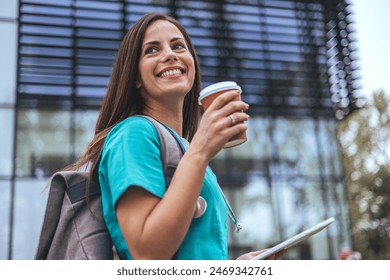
43,140
5,202
278,181
49,140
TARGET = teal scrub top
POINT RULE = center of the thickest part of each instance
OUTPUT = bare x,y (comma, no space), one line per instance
131,157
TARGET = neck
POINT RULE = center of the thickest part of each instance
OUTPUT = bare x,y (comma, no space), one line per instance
168,115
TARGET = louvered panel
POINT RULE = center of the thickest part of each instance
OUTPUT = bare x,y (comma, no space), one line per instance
290,57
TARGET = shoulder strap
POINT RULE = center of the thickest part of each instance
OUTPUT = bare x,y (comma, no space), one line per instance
77,192
172,148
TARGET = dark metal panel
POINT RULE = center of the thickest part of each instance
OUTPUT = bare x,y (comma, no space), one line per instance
290,57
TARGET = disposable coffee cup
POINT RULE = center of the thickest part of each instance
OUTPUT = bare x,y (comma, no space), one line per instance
207,96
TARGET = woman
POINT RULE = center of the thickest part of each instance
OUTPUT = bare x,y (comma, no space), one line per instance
157,73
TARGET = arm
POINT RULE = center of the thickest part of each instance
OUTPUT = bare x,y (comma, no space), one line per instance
154,228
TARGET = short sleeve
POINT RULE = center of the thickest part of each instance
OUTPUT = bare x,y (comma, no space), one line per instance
131,157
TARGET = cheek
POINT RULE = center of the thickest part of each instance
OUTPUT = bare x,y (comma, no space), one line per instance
191,69
191,77
144,72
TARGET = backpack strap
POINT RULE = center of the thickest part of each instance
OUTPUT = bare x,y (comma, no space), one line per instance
77,192
172,149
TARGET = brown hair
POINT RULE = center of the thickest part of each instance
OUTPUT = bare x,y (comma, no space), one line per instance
123,99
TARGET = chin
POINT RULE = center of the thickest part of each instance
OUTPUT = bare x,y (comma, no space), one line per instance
178,88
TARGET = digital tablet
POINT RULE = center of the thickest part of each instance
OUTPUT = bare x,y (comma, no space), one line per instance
295,239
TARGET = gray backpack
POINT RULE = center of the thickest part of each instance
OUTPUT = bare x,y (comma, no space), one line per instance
74,229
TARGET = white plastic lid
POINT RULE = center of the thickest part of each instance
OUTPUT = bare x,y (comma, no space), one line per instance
217,87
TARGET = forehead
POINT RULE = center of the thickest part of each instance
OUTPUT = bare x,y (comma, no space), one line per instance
160,29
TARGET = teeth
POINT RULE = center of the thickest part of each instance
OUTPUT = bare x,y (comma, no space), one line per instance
171,72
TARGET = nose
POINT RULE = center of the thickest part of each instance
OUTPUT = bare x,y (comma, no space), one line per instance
169,55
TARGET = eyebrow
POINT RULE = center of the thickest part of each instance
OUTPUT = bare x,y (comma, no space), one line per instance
158,42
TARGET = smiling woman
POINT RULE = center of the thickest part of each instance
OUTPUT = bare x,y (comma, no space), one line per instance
156,73
166,67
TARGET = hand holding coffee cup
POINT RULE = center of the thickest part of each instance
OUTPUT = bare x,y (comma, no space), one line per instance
210,93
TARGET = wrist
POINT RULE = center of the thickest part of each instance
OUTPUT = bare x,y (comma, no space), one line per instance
197,156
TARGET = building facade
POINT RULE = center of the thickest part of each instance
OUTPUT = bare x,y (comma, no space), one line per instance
293,59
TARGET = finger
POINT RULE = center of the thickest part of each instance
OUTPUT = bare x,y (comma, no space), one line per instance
232,107
236,118
280,254
233,119
230,131
271,257
224,98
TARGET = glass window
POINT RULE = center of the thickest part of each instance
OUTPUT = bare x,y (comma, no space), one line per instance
296,147
50,140
7,141
330,150
8,52
5,207
44,141
277,181
85,122
30,204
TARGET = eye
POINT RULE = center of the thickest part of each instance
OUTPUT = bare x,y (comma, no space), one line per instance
151,50
179,46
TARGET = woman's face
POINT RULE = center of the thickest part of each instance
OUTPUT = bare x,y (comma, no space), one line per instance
166,67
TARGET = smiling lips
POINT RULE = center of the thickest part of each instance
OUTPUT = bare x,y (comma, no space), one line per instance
171,72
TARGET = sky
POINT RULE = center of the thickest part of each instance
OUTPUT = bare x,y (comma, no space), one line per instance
371,20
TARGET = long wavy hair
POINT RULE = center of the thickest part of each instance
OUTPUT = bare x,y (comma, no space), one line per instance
123,98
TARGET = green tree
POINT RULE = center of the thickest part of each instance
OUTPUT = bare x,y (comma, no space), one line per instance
365,141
